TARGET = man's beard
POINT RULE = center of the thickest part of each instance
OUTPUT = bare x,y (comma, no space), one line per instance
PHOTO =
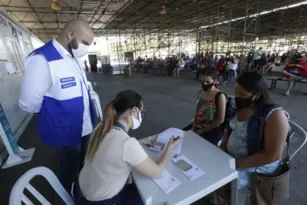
72,45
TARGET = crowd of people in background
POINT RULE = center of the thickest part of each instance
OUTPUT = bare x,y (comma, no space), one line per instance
227,66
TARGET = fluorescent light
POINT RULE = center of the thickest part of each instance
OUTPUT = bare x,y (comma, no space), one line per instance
258,14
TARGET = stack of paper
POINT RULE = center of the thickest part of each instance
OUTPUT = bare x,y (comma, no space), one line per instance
167,182
166,135
188,168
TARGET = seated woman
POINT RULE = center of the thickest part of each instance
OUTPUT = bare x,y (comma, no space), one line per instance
241,142
295,70
112,153
231,69
277,60
211,108
179,67
268,67
221,65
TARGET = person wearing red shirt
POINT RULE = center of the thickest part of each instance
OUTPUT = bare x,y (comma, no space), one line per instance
295,70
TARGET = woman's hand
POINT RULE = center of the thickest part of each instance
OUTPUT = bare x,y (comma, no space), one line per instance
173,143
149,141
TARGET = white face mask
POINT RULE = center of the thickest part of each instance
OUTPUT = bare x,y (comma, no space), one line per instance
136,122
80,51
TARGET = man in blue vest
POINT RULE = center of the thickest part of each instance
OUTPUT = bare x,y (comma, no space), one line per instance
55,86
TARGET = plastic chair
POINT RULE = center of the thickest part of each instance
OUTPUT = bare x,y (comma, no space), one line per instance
17,197
296,131
89,84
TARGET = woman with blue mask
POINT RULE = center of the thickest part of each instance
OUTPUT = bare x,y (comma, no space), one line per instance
112,154
210,109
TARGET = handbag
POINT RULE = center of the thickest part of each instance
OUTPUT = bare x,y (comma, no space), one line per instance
270,189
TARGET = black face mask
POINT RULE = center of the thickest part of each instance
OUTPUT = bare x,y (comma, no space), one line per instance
244,102
207,87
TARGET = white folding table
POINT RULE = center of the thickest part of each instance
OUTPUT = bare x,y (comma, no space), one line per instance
218,166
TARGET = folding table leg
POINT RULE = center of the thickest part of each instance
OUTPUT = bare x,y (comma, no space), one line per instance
234,192
272,84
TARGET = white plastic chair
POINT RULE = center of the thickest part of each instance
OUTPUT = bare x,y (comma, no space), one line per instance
97,105
17,197
297,131
89,84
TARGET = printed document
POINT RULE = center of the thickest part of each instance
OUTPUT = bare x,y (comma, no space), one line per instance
166,135
167,182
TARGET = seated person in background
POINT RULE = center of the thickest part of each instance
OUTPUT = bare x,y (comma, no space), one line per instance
277,60
250,57
211,108
112,153
203,63
241,141
179,67
216,61
268,67
263,61
295,70
231,69
257,57
221,65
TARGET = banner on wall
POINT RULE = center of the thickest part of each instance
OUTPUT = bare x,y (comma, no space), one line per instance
17,155
14,31
2,20
8,131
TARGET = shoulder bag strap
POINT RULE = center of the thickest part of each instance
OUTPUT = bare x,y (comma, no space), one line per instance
261,136
261,133
287,158
217,98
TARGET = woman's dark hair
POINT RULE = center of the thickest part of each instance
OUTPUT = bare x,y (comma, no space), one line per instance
254,82
209,72
124,101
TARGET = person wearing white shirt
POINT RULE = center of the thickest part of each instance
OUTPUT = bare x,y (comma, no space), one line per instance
55,86
231,69
112,154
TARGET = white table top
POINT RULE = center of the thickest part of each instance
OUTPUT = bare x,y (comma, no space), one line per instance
218,166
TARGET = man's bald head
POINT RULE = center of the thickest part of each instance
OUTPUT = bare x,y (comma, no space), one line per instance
79,29
76,25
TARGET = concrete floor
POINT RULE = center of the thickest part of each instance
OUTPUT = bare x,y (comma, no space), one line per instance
170,102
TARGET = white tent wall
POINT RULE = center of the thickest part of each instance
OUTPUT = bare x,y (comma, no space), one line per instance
15,45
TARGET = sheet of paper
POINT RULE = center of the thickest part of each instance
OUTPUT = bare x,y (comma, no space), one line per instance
10,68
167,182
188,168
166,135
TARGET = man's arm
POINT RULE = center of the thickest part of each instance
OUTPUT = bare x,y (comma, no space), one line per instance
36,82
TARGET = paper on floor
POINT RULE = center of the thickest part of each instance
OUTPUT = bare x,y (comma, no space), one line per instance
167,182
188,168
166,135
